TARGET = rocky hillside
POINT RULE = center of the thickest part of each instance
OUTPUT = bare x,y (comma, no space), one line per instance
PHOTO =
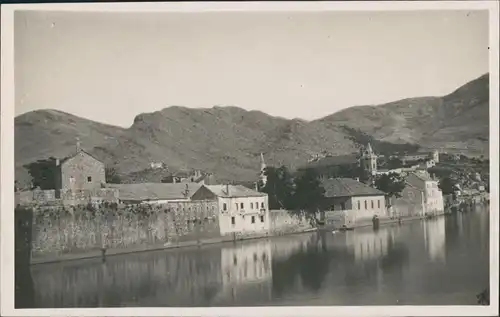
458,121
228,140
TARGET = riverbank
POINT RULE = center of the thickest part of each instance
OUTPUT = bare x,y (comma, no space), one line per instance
103,253
382,221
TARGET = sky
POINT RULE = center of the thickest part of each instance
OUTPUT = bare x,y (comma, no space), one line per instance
111,66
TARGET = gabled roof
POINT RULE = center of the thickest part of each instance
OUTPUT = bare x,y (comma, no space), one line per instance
75,154
234,191
347,187
155,191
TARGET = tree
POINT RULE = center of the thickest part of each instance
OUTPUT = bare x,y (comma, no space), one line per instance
447,185
392,184
394,163
309,193
112,176
279,187
44,173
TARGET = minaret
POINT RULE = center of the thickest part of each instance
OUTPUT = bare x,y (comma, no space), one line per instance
369,160
78,145
262,176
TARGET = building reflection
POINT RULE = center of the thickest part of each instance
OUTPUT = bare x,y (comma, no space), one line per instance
368,244
435,239
246,263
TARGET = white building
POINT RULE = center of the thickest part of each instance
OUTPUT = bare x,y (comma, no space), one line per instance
433,197
241,210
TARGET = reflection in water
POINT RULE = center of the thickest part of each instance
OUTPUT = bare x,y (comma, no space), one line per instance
395,264
436,239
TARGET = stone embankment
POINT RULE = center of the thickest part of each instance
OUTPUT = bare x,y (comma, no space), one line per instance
59,234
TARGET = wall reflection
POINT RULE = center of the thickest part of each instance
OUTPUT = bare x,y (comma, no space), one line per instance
436,239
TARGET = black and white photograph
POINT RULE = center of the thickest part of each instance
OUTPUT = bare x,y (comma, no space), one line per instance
250,159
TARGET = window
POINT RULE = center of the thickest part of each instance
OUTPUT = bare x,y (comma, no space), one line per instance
262,205
378,204
251,205
261,218
366,204
236,206
241,205
359,205
253,219
372,205
89,179
342,206
233,221
224,206
235,260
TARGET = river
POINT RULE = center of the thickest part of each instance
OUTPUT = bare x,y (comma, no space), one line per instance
443,261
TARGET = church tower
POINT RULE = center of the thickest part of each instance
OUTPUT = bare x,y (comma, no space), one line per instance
369,160
262,175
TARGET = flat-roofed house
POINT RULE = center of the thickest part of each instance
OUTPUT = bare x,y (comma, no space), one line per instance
241,210
348,201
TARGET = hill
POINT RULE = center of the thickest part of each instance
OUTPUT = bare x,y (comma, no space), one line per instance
458,121
228,140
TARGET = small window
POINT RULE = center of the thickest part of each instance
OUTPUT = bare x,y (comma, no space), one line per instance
342,206
251,205
89,179
373,205
262,205
236,206
378,204
224,206
261,218
359,205
233,221
235,260
253,219
241,206
366,204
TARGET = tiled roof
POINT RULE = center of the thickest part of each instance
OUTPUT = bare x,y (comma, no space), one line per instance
234,191
154,191
346,187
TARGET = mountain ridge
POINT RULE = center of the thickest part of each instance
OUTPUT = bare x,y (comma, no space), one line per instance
228,140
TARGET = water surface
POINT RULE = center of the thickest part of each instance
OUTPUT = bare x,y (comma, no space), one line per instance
444,261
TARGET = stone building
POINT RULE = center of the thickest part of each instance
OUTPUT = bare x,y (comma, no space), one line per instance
348,201
433,197
80,171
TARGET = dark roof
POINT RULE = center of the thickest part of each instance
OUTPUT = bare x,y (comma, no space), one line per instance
154,191
234,191
412,178
347,187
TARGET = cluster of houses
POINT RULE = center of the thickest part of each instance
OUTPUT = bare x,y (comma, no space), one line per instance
82,180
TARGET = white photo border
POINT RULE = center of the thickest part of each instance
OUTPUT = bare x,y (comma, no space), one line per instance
7,158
